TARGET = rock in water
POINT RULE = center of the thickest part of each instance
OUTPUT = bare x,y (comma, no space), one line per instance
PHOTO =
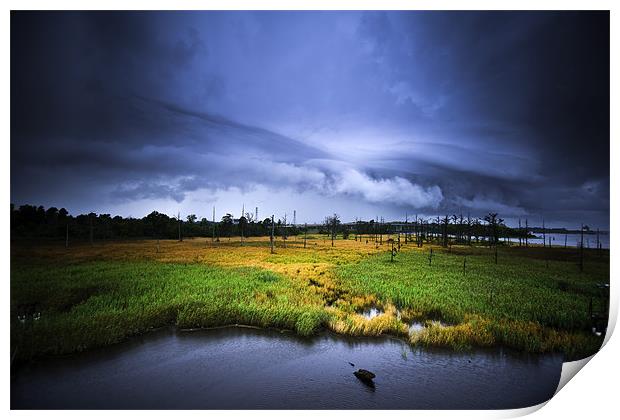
364,375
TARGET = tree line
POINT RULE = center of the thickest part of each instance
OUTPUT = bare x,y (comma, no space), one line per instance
28,221
449,229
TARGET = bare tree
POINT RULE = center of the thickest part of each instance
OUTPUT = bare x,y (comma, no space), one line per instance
468,229
494,222
242,222
284,229
179,220
527,233
446,221
455,220
581,250
213,236
272,232
332,222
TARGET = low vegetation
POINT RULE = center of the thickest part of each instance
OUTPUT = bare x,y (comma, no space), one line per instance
524,301
534,299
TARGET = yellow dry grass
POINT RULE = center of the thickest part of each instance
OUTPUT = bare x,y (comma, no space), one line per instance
309,270
310,275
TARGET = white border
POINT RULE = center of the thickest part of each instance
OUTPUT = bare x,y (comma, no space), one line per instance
591,395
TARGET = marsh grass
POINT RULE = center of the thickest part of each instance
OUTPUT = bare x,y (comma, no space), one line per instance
99,303
518,303
90,296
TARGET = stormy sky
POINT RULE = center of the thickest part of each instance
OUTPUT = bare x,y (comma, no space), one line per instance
360,113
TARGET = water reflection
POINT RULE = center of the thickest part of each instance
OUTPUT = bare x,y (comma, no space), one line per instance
246,368
371,313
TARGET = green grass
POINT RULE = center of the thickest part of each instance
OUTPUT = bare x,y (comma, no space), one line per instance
99,303
534,300
536,304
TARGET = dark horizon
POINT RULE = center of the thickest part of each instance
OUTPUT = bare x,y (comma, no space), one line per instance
410,220
363,114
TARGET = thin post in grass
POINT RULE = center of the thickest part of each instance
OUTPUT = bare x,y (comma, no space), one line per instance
392,252
306,233
464,263
241,222
581,250
272,232
284,232
527,233
295,226
179,219
468,229
213,233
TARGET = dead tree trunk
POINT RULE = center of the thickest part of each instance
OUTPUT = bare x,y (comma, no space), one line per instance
241,222
213,233
284,231
527,233
179,219
272,232
581,250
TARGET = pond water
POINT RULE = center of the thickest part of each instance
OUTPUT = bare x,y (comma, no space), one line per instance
371,313
236,368
415,326
557,239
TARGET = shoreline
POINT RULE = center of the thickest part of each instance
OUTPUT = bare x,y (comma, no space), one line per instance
97,296
21,364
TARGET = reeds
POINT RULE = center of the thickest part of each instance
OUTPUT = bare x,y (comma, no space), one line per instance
92,296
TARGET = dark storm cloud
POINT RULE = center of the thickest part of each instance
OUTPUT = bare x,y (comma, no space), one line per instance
405,111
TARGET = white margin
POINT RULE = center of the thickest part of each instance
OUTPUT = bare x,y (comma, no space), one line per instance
590,399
